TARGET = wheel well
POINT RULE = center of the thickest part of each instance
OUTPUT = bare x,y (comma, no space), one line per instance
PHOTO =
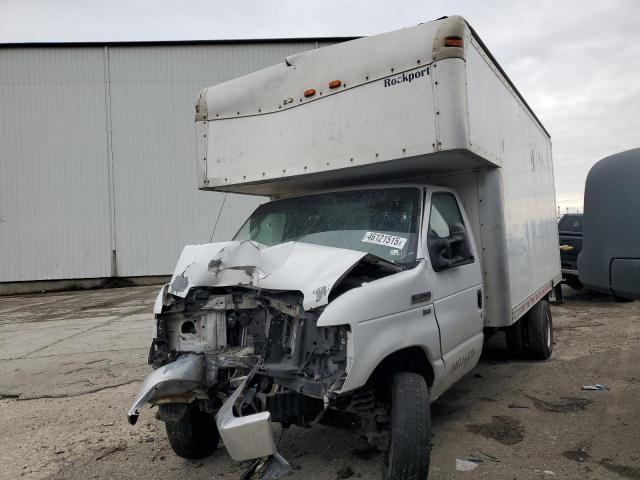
410,359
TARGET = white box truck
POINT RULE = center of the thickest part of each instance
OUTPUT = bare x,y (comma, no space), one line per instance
411,214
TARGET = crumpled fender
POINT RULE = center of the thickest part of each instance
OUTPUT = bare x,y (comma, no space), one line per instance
179,379
310,269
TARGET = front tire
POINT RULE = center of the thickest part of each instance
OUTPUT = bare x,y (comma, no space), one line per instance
192,433
410,449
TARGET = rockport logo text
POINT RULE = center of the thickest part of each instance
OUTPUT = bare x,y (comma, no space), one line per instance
405,77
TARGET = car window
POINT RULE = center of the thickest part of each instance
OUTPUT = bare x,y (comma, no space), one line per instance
570,224
447,239
444,214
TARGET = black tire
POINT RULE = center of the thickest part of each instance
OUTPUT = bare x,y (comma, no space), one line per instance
192,433
515,339
539,338
410,449
574,282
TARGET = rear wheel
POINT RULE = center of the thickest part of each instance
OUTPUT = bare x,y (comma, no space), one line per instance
539,343
410,449
192,433
574,282
532,335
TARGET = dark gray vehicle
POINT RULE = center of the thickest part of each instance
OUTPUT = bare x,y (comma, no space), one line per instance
610,258
570,235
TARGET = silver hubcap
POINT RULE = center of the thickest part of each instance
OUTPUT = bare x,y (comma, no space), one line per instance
548,331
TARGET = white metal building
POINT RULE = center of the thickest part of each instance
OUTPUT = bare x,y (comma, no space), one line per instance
97,155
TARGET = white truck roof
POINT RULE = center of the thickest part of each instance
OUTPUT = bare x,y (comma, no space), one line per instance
397,99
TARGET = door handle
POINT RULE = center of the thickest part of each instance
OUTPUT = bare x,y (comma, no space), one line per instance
479,292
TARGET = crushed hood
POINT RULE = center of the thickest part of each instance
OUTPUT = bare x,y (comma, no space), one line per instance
310,269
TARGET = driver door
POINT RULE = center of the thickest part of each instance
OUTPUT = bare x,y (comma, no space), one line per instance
455,279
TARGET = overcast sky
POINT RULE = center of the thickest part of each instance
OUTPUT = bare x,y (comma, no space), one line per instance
576,62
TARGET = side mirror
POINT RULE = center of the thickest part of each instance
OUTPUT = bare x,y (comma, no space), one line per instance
452,251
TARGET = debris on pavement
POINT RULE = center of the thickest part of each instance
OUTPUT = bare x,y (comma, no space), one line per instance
465,465
597,386
578,455
490,457
117,448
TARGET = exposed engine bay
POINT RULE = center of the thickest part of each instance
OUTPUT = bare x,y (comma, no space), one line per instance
240,329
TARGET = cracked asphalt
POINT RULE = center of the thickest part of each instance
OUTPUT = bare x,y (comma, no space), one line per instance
71,363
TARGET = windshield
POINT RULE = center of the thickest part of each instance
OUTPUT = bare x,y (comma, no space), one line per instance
382,221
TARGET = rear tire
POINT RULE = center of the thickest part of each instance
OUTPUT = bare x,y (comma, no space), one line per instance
410,450
192,433
574,282
539,342
532,335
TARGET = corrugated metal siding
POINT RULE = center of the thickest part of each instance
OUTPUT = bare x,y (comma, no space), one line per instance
56,146
153,91
54,215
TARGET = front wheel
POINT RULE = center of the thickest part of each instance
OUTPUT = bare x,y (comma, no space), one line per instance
192,433
410,449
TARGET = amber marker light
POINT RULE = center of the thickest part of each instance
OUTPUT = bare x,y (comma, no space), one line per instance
310,92
453,42
335,83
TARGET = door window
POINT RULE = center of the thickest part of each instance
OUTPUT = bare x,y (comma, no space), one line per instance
447,238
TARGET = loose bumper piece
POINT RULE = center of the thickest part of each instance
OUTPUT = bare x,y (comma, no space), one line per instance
271,468
179,380
245,437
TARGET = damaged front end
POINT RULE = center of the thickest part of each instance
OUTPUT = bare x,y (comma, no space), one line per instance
236,339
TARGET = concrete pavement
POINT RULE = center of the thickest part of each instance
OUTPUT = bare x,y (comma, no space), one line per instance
71,363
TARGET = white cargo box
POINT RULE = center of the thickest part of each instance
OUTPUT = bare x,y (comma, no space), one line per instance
406,104
427,102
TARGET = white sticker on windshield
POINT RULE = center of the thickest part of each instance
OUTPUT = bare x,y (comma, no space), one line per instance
384,239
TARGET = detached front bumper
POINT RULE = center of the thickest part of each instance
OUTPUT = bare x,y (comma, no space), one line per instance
182,380
245,437
250,437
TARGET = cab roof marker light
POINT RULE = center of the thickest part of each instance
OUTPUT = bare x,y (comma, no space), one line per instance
453,42
335,83
309,92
